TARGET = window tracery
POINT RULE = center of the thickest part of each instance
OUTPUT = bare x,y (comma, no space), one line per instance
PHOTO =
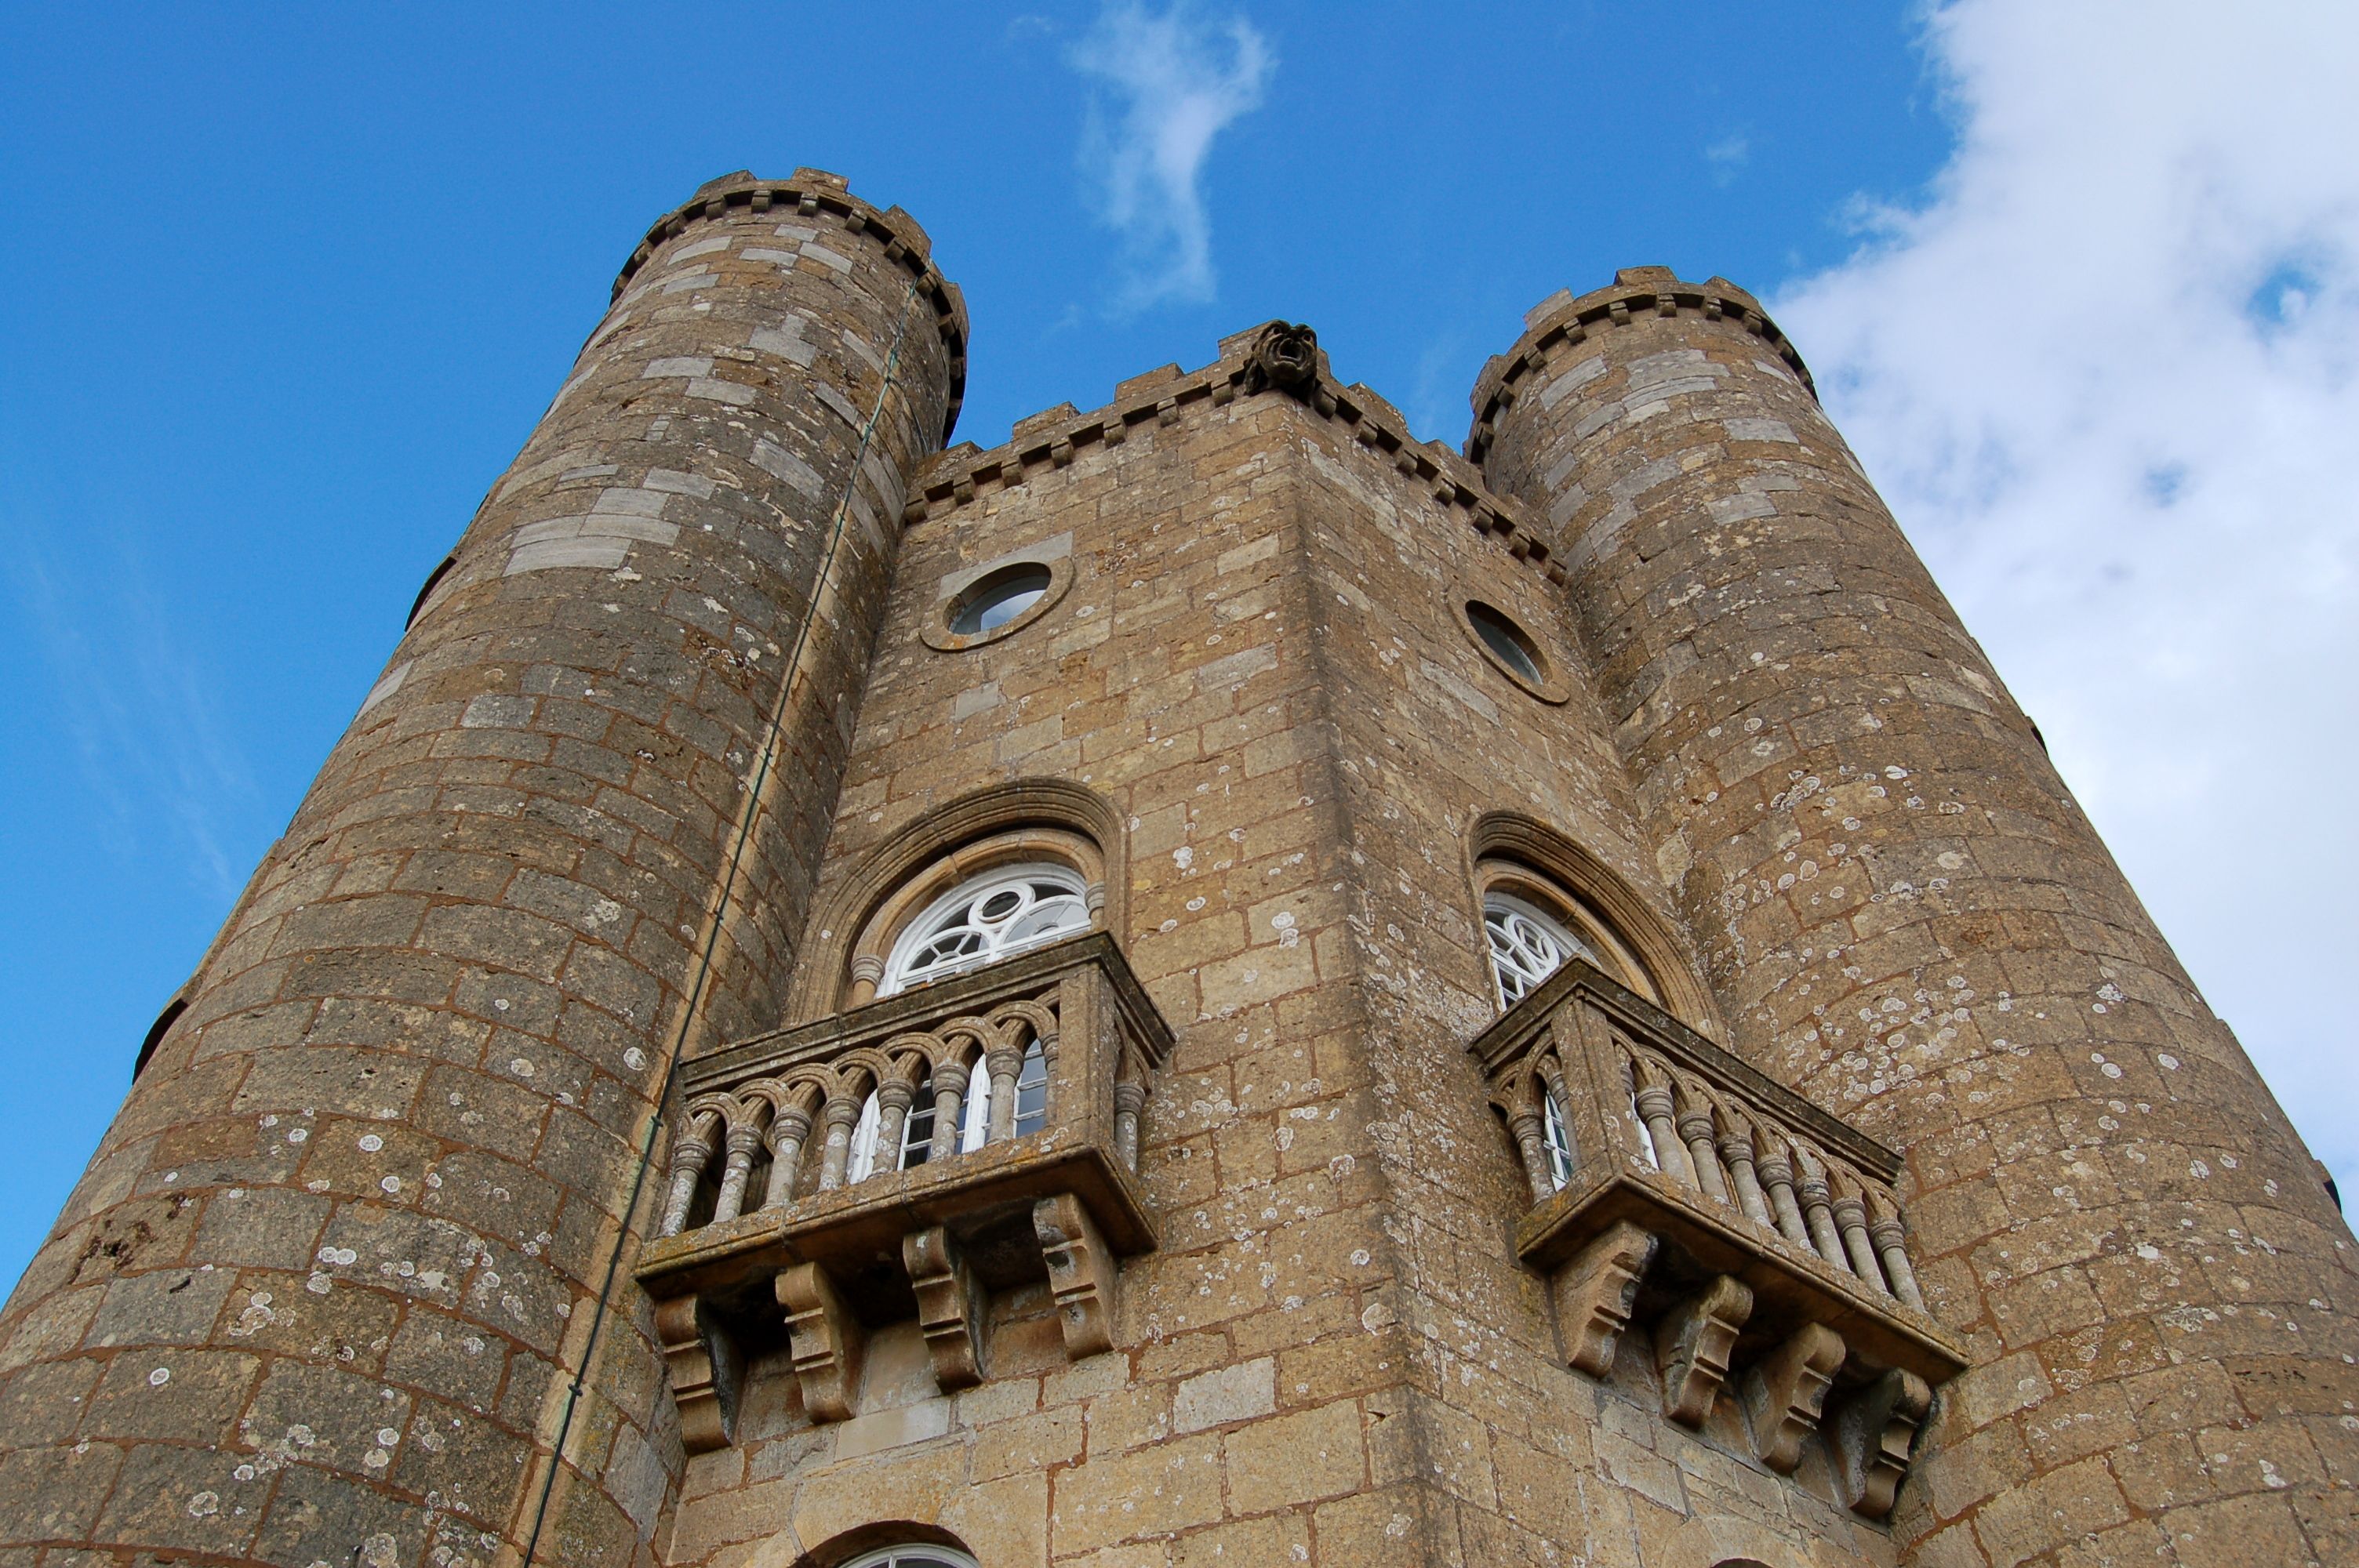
985,918
1533,925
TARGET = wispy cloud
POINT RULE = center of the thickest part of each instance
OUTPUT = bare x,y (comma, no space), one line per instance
1164,85
1728,156
158,774
2108,377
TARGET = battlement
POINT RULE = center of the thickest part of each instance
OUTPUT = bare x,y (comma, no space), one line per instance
1561,320
1167,394
815,193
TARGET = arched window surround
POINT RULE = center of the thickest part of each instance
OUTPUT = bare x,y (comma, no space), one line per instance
875,1545
865,905
1514,854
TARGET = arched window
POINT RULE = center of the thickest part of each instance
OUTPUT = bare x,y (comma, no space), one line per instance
867,1160
1556,1136
985,918
1533,927
913,1557
1528,944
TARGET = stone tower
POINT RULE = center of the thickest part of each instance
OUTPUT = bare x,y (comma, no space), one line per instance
1215,984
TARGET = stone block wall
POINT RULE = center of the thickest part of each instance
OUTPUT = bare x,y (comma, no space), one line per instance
1257,658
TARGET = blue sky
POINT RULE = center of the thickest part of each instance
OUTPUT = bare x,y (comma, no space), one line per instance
281,294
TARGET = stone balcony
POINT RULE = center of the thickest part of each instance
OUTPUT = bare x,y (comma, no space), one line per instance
773,1232
1757,1239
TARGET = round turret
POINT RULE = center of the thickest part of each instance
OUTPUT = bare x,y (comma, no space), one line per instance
1906,918
331,1286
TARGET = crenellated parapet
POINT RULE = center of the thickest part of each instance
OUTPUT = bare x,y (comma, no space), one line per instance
1561,321
1049,440
818,197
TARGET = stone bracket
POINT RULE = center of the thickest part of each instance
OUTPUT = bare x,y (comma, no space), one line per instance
1874,1432
1595,1294
1786,1390
825,1341
1081,1273
1692,1344
708,1372
950,1306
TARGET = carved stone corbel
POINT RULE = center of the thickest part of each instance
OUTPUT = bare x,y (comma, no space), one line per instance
1081,1273
707,1372
1693,1346
950,1306
1786,1392
825,1342
1594,1294
1874,1432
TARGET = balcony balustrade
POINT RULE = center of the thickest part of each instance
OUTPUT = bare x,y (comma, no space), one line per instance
1758,1236
904,1158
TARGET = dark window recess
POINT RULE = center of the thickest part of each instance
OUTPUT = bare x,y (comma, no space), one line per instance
1508,640
999,599
155,1033
433,579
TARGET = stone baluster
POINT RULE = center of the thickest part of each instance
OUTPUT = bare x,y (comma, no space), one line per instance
1776,1168
1890,1239
1695,1133
688,1158
893,1101
1653,1103
1531,1142
1129,1099
950,1108
788,1128
840,1114
1736,1143
1851,1223
1818,1208
1003,1062
744,1143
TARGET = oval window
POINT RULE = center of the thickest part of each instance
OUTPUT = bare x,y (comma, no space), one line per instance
1508,642
999,599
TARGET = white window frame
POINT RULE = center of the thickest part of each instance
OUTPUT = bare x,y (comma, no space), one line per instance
993,939
1555,1137
915,1556
1528,944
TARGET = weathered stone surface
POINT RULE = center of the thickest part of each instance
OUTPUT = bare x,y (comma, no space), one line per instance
331,1277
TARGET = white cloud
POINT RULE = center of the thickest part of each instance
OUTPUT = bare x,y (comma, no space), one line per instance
2105,377
154,764
1727,156
1167,84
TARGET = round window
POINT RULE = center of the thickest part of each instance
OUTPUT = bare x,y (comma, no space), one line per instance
999,599
1508,642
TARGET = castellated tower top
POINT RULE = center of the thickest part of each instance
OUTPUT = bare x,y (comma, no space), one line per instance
816,194
1562,319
